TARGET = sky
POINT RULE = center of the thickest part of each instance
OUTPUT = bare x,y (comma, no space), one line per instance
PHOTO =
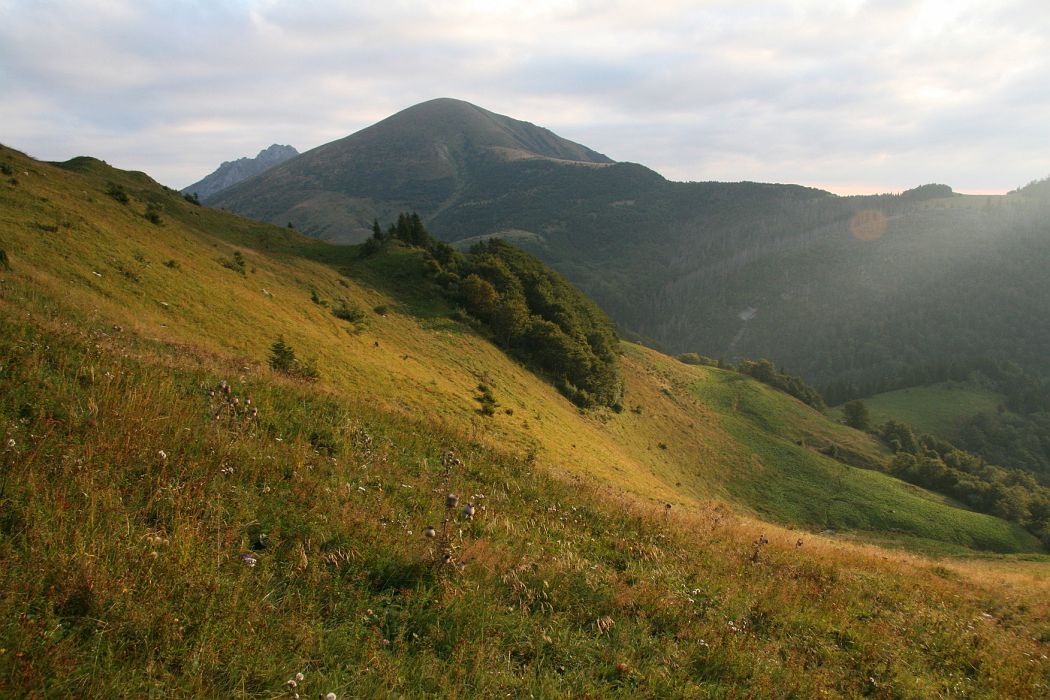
850,96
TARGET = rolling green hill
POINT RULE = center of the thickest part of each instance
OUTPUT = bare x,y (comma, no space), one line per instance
845,291
938,409
158,537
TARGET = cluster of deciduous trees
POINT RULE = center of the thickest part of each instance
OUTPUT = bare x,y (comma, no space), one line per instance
764,371
1017,435
528,309
936,464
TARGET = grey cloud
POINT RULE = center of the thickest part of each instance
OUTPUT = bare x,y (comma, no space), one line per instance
883,92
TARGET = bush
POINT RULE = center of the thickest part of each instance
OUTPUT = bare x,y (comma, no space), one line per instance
486,401
237,264
152,214
348,311
692,358
118,193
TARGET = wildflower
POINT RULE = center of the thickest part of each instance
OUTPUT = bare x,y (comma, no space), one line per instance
291,683
451,500
10,443
468,511
162,454
331,696
249,560
300,677
429,531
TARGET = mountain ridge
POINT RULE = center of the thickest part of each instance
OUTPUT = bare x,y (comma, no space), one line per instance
418,159
682,263
231,172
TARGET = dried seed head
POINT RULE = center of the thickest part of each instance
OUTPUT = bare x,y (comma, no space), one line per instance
468,511
299,677
429,531
451,500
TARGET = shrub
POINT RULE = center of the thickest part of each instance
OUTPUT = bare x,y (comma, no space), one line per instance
283,360
348,311
118,193
237,264
152,214
487,402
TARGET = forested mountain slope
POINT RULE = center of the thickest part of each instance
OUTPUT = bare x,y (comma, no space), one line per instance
845,291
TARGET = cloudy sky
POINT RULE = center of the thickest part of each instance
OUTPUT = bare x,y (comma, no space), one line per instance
851,96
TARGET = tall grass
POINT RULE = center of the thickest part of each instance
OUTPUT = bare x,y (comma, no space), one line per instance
150,548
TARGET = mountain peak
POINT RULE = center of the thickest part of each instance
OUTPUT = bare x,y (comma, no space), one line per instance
422,159
456,123
233,171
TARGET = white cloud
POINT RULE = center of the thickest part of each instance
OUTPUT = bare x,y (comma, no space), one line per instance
838,94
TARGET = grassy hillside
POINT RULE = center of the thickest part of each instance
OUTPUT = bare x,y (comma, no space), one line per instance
937,409
679,440
156,538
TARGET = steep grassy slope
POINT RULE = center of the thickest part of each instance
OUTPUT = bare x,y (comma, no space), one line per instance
148,548
680,440
157,540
